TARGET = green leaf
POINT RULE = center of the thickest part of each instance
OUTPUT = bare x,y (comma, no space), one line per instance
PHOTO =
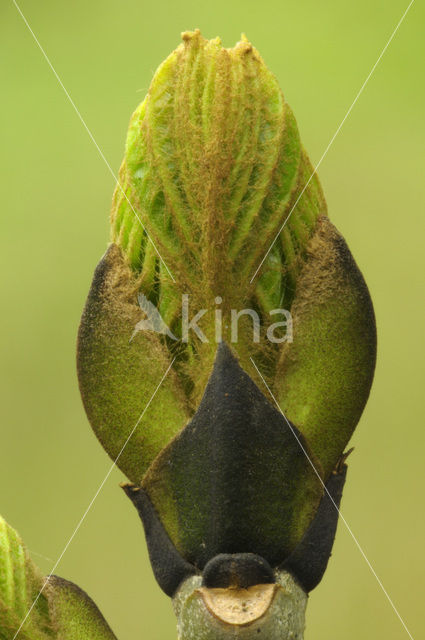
20,583
213,166
62,611
73,613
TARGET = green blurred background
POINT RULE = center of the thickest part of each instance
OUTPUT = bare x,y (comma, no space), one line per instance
56,194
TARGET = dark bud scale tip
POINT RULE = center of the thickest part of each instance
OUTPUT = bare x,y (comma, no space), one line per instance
228,495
